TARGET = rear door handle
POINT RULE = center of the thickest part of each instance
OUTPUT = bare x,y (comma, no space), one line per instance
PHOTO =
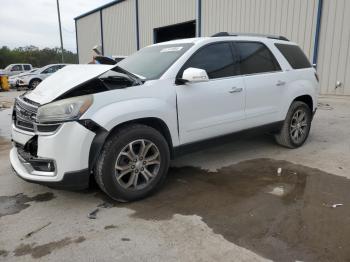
235,90
280,83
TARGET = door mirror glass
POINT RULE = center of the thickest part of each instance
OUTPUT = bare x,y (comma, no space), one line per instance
194,75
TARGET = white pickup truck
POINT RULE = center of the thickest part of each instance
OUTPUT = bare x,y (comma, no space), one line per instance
122,124
15,69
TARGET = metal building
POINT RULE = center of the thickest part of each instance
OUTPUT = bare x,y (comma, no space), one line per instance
320,27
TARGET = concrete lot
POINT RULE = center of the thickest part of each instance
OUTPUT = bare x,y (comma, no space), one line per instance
221,204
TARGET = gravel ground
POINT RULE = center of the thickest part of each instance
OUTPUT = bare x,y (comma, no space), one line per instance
226,203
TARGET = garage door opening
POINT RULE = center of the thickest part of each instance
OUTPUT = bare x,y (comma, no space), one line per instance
177,31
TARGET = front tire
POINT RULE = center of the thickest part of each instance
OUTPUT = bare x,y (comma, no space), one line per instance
34,83
133,163
296,126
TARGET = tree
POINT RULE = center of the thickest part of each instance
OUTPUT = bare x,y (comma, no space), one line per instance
35,56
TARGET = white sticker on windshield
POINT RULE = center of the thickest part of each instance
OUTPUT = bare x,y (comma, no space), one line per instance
171,49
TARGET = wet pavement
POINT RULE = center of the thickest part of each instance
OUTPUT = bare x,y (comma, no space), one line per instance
10,205
286,217
240,208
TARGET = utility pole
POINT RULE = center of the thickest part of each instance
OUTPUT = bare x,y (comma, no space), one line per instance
59,23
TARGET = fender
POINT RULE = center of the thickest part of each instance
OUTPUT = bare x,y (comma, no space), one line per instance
108,117
296,89
117,113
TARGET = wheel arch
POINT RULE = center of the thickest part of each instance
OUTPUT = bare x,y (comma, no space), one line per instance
102,135
153,122
307,99
33,79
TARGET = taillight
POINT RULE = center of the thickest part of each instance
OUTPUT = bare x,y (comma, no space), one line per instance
316,76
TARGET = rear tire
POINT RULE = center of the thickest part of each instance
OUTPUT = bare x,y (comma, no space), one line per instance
133,153
296,126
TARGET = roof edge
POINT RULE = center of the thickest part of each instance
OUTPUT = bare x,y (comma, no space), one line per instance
99,9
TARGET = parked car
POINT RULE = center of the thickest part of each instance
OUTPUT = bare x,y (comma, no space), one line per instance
123,124
13,80
15,69
33,79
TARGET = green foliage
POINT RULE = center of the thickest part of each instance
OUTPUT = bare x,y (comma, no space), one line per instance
35,56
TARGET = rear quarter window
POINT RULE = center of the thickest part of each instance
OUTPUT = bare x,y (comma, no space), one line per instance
294,55
255,58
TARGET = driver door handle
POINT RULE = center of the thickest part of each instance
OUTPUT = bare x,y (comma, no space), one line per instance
235,90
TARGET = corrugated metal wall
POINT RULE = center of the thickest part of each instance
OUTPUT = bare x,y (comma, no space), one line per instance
295,19
158,13
334,51
119,29
89,35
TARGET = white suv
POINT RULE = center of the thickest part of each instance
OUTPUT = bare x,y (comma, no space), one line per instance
123,123
33,79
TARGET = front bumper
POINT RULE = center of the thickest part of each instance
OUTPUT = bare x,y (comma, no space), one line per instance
22,82
13,82
67,149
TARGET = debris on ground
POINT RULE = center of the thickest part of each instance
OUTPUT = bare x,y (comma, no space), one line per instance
279,171
336,205
125,239
93,214
333,205
106,205
324,106
37,230
278,191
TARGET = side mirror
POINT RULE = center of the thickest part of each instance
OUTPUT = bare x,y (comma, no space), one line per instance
194,75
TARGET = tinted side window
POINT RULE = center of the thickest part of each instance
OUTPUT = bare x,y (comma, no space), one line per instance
16,68
256,58
26,67
50,70
294,55
216,59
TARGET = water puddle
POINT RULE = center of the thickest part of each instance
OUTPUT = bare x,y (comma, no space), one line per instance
38,251
283,217
10,205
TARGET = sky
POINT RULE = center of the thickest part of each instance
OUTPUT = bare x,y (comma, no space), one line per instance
35,22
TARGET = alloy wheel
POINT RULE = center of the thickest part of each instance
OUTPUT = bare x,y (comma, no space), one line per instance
137,164
298,126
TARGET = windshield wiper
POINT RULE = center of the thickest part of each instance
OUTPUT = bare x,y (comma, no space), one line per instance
136,78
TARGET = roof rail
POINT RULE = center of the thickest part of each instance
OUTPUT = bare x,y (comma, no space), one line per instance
278,37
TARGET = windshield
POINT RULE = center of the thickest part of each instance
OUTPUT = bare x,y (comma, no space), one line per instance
7,68
151,62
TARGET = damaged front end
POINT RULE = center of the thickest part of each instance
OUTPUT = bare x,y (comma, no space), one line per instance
51,143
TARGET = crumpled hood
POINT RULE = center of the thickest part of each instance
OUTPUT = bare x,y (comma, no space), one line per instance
64,80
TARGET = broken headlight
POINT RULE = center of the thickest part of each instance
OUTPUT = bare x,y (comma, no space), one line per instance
64,110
